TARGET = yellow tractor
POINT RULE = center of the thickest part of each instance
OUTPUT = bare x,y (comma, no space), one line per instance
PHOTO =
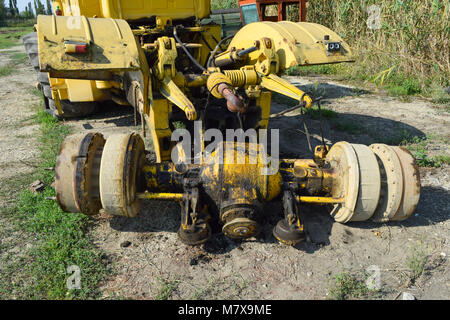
171,67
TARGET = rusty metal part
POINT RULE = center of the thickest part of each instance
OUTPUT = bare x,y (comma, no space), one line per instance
411,184
87,174
64,172
120,172
194,228
369,183
241,228
391,182
289,230
320,152
234,103
288,235
200,236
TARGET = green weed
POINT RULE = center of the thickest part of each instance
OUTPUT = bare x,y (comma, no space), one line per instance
346,286
60,239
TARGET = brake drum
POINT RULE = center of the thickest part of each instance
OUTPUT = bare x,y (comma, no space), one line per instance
342,159
369,183
76,173
391,182
64,172
411,184
121,165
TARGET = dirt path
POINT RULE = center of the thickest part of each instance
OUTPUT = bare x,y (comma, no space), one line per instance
18,147
152,263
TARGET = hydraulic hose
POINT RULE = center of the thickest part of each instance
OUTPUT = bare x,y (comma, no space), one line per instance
213,54
198,65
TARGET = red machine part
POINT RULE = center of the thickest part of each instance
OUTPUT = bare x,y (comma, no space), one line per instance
282,6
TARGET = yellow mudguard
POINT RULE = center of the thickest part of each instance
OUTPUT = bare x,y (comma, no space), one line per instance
301,43
110,47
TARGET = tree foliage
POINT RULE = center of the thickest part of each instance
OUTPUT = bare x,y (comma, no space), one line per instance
39,7
49,7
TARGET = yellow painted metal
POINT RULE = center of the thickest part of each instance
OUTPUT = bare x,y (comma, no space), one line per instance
159,126
111,47
320,200
165,71
80,90
264,103
248,76
136,9
275,83
301,43
213,82
85,90
174,94
160,196
241,174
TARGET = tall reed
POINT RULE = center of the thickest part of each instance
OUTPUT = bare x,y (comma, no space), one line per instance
413,38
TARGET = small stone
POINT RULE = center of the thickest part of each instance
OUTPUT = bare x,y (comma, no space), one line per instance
125,244
193,262
309,274
442,254
408,296
37,186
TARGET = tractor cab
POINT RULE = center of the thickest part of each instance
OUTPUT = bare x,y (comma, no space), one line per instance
272,10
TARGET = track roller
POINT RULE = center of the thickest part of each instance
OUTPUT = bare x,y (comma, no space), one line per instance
122,160
77,173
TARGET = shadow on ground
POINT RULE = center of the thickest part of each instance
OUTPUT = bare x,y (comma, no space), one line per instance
112,113
164,216
355,128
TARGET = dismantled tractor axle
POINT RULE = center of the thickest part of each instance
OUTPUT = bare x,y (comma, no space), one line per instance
379,182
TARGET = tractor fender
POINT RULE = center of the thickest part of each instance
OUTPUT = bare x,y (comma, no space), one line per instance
296,43
86,48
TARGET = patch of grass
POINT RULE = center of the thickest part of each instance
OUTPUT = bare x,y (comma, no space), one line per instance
60,238
408,50
167,289
417,260
6,70
18,58
328,69
348,126
34,91
283,100
399,137
179,125
439,95
346,286
419,149
439,160
10,36
403,86
314,113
